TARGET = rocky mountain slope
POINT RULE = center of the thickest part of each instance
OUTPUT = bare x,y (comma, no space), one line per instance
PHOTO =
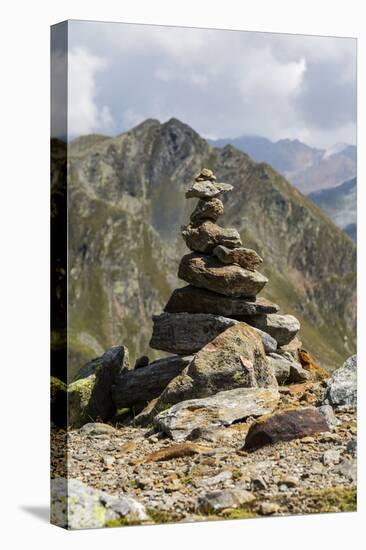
308,168
126,206
340,203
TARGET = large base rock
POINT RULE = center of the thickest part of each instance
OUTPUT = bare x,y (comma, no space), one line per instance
199,300
281,327
135,388
206,236
186,333
284,426
90,395
342,387
185,419
234,359
231,280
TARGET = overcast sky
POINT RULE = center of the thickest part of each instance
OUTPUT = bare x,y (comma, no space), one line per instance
222,83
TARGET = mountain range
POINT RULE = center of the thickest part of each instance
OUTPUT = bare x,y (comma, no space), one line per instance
126,197
308,168
340,204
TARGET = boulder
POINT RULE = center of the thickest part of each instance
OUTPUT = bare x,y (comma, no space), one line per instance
281,327
206,189
231,280
341,392
206,236
186,333
285,426
90,397
135,388
114,362
78,397
74,505
222,409
245,257
207,209
199,300
216,501
234,359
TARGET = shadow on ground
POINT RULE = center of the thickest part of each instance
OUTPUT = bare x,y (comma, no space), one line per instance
40,512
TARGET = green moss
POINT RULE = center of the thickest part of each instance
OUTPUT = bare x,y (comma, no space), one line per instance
239,514
237,474
333,499
57,385
162,516
163,407
121,522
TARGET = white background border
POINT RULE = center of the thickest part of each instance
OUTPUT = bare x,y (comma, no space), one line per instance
24,216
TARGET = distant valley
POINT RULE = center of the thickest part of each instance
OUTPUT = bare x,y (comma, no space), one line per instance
340,204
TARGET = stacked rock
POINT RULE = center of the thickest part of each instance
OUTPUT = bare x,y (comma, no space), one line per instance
223,283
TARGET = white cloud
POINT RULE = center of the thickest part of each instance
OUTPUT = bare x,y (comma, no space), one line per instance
85,116
223,83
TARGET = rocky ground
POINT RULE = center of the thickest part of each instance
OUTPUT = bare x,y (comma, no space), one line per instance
213,477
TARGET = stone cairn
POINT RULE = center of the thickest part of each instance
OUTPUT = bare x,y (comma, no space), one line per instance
223,284
230,349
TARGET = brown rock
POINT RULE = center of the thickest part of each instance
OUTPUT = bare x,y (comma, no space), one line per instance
200,300
209,209
174,451
234,359
285,426
231,280
317,372
206,236
245,257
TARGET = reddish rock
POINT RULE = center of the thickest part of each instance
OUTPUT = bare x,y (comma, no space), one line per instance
285,426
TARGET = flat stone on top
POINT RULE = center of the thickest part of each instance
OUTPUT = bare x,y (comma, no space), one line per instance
207,189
